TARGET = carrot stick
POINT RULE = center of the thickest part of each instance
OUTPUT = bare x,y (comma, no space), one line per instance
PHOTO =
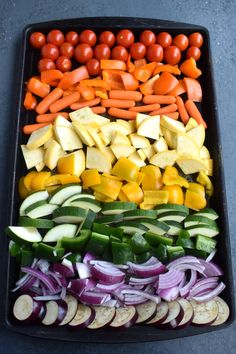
53,96
79,105
182,110
145,108
178,89
161,99
173,115
122,113
194,112
125,95
48,76
98,110
50,117
37,87
165,110
112,64
64,102
30,101
30,128
118,103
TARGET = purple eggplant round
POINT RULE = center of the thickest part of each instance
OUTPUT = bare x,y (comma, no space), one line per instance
83,318
161,314
146,311
124,317
223,313
188,313
27,310
174,317
205,313
72,305
55,312
103,316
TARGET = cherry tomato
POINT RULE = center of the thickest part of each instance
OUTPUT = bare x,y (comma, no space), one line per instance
72,37
67,50
181,41
195,39
63,63
37,40
55,37
137,50
89,37
155,53
193,52
50,51
172,55
102,51
147,38
83,52
164,39
119,53
93,67
125,38
107,38
46,64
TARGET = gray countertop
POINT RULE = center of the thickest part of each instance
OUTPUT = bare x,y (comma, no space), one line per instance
219,17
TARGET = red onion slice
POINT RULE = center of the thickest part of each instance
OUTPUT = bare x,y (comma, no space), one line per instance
145,271
185,290
170,279
210,295
185,259
169,294
107,274
92,298
211,269
83,270
148,296
41,276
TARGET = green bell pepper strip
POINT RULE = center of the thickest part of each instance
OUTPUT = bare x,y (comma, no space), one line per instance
175,252
161,253
88,222
108,230
155,239
74,257
121,253
51,253
14,249
139,244
184,240
77,243
205,244
97,243
142,257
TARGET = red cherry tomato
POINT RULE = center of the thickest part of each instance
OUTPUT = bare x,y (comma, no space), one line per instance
67,50
46,64
172,55
125,38
102,51
155,53
50,51
93,67
181,41
63,63
193,52
147,38
195,39
89,37
107,38
55,37
164,39
83,52
119,53
37,40
72,37
137,50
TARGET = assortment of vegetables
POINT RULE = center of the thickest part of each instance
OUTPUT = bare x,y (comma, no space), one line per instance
115,226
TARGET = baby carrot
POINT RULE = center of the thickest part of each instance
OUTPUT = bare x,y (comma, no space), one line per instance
64,102
30,101
30,128
182,110
193,111
161,99
48,76
98,110
173,115
145,108
50,117
53,96
37,87
122,113
125,95
79,105
118,103
165,110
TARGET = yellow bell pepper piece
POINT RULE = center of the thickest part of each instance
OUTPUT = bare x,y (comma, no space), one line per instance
198,188
23,191
140,178
171,176
152,178
146,206
38,182
176,194
195,197
109,187
28,179
90,178
133,192
125,169
64,178
102,198
122,197
51,189
73,164
112,177
155,197
204,180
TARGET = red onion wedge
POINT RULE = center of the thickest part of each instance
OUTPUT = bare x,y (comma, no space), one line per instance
141,293
109,275
55,312
211,294
169,294
78,286
84,316
65,268
202,285
211,269
83,270
91,298
161,314
145,271
146,311
170,279
188,313
108,288
125,317
26,310
41,276
142,281
103,317
223,313
88,257
205,313
185,260
185,290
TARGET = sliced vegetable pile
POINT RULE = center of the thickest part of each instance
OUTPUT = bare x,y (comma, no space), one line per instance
115,226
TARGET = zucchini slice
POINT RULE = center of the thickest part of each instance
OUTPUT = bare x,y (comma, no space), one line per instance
64,192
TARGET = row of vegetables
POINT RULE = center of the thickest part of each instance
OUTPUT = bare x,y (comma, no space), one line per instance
114,227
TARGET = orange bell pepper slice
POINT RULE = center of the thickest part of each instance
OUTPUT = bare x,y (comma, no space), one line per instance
179,89
113,79
37,87
73,77
143,73
49,76
140,62
169,68
147,87
101,92
165,83
87,92
129,81
30,101
130,65
112,64
189,68
194,90
96,83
